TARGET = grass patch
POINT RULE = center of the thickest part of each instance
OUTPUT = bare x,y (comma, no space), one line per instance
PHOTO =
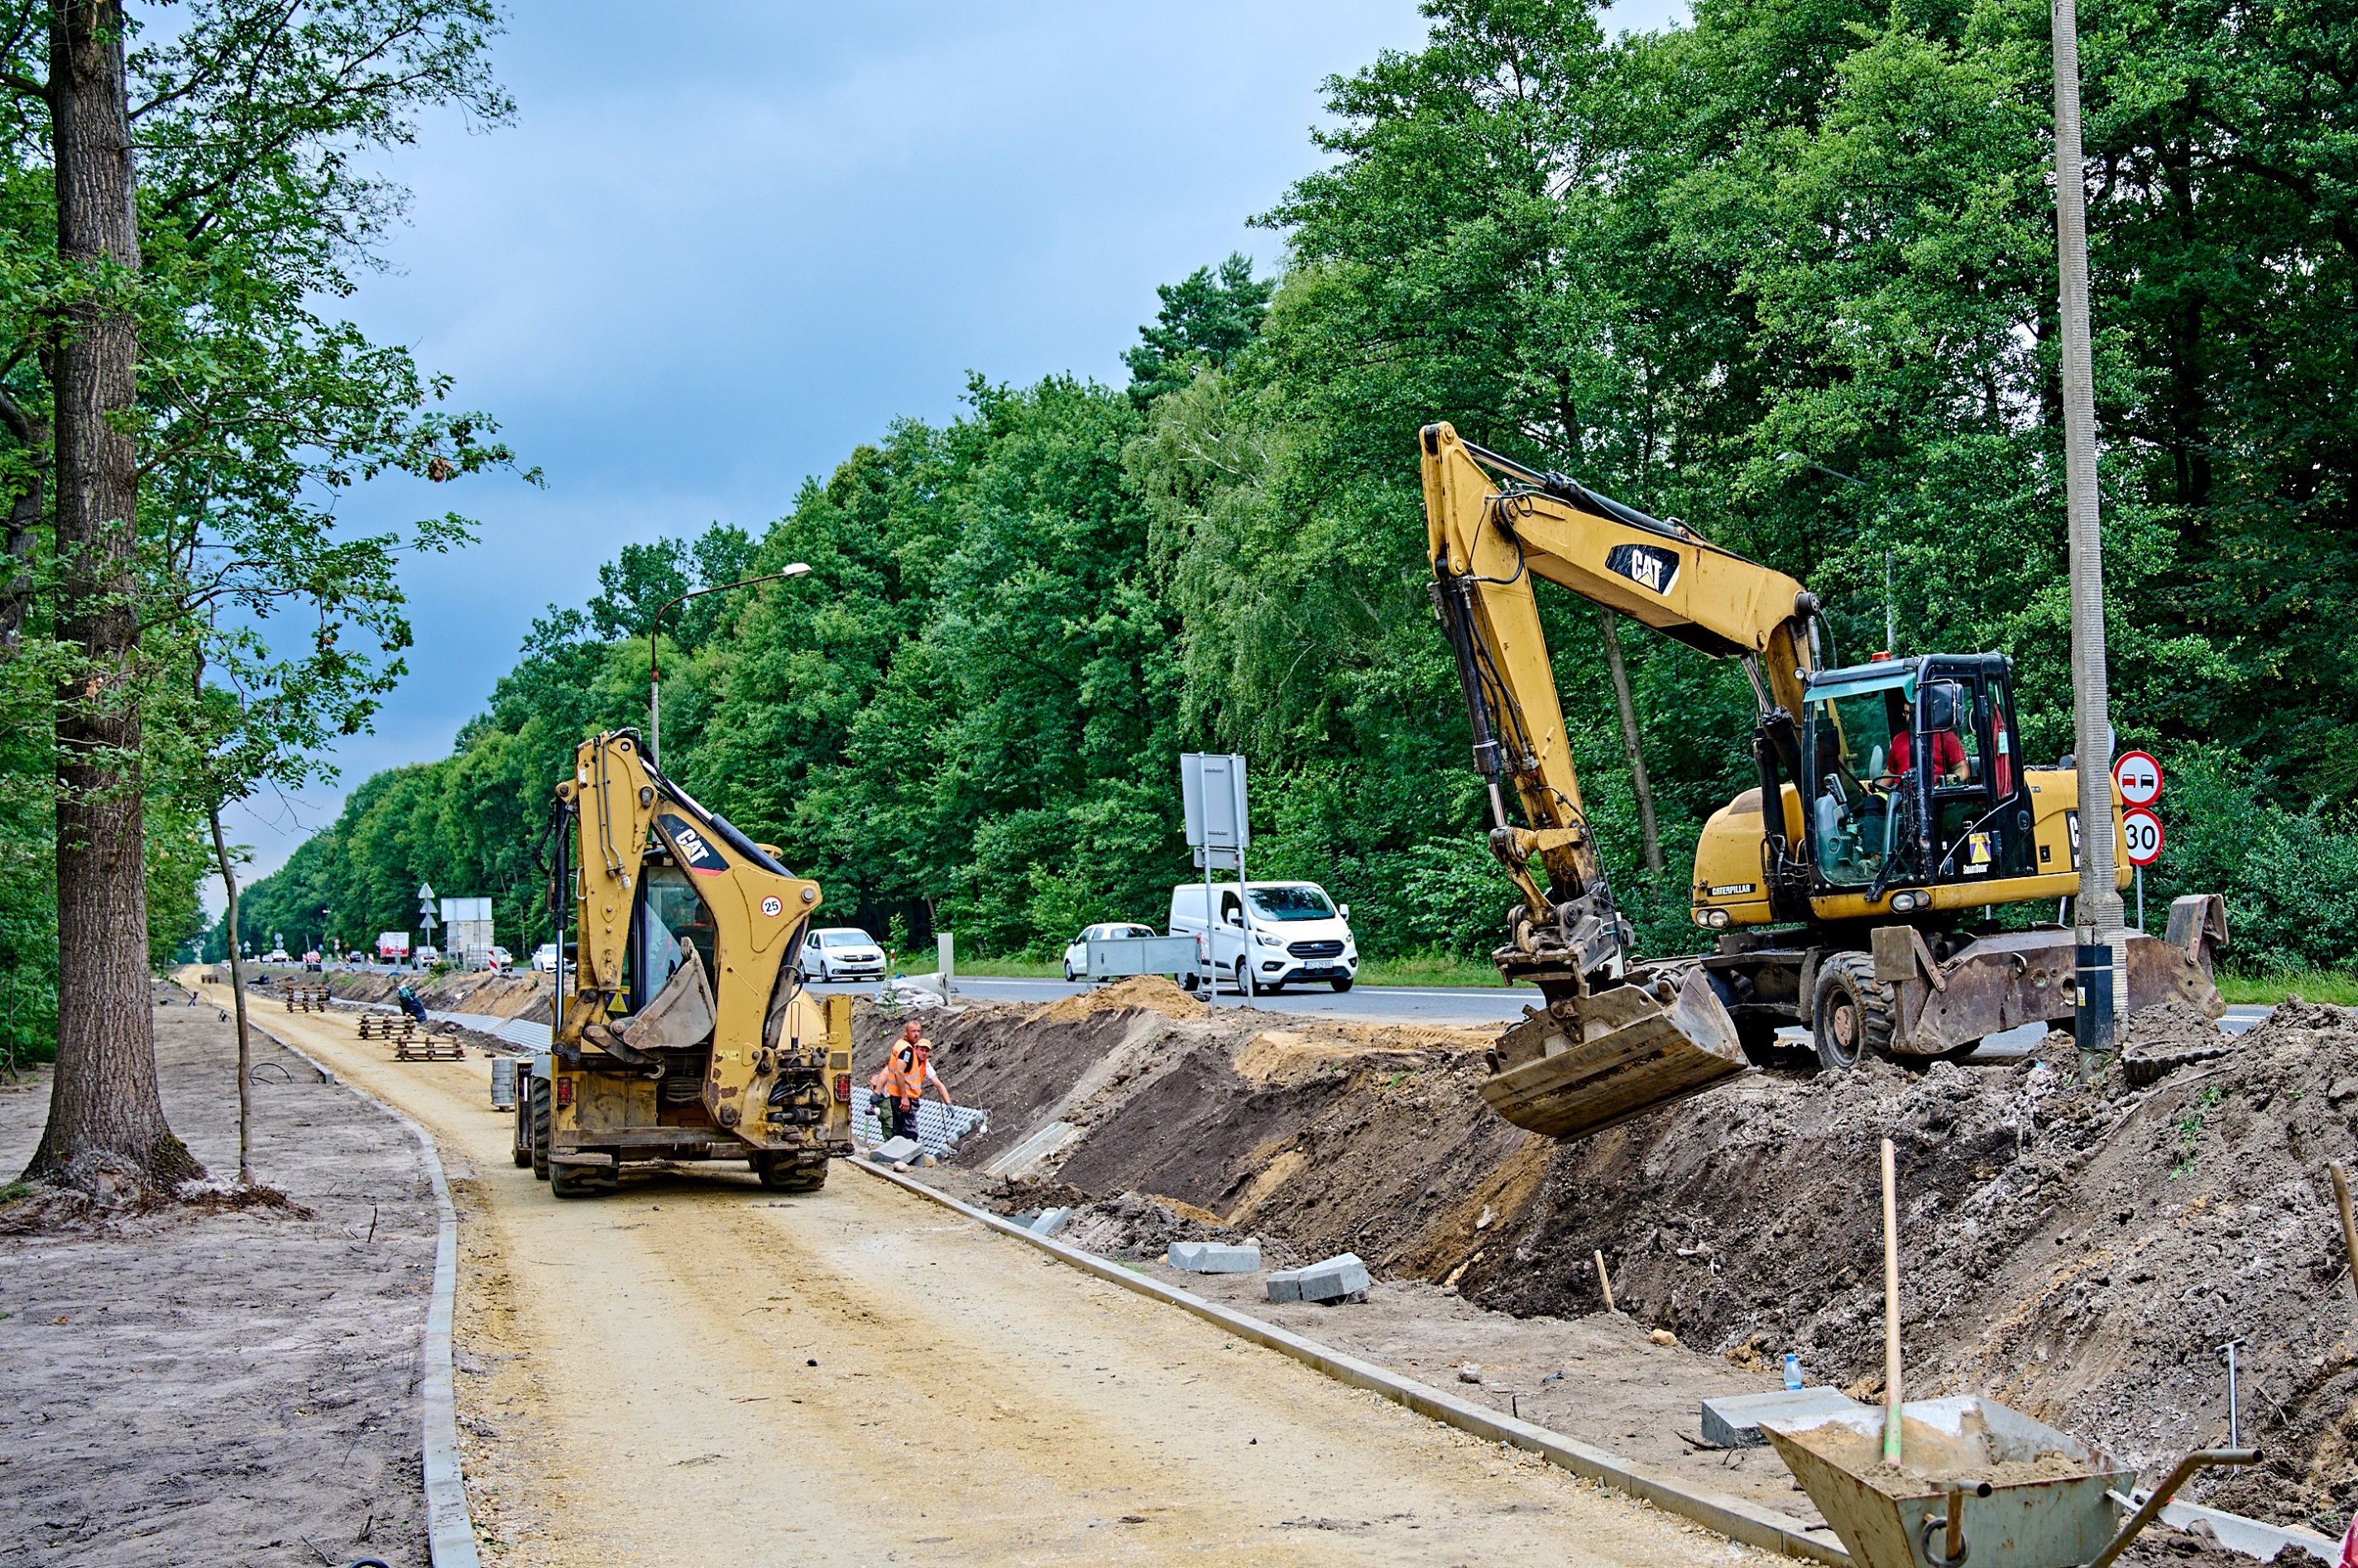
1433,970
1010,969
14,1190
2335,986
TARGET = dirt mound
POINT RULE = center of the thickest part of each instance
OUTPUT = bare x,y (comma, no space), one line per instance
1156,993
2080,1253
511,994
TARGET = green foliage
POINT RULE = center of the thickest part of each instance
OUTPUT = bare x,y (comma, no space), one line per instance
1707,271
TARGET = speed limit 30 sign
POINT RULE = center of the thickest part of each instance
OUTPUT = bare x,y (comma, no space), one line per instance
2141,831
2139,778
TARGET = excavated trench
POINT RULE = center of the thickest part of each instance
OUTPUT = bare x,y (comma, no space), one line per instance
2080,1253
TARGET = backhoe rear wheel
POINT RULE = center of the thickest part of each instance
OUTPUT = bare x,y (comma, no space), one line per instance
1855,1012
787,1174
539,1127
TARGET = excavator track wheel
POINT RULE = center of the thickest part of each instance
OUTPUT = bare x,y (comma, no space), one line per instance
1854,1013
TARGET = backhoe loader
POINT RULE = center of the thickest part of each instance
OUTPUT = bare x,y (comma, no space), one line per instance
680,1029
1853,891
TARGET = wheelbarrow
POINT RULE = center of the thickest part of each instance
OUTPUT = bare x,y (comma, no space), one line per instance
1976,1481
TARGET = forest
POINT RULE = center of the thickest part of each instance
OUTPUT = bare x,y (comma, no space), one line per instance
1787,274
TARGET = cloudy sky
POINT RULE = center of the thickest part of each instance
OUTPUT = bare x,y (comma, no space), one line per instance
706,261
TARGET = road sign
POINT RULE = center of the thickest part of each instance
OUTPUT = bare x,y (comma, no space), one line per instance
2139,777
2141,829
1212,792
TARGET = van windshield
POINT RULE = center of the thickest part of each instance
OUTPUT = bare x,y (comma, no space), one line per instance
1291,904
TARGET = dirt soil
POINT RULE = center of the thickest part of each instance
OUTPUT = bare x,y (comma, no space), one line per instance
697,1370
2078,1253
503,995
204,1383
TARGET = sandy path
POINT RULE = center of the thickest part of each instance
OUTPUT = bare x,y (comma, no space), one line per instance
649,1357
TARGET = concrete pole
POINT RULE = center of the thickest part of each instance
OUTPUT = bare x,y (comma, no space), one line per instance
2099,909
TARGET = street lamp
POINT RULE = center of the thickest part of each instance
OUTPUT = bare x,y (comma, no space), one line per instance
1890,610
654,675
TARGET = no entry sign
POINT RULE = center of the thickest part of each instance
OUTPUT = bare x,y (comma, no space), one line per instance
2139,777
2141,830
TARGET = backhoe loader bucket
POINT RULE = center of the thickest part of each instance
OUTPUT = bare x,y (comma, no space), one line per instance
1589,1062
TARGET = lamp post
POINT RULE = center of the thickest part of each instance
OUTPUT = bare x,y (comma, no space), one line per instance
1890,606
655,629
2102,972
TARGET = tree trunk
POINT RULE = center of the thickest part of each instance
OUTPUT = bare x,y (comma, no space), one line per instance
1631,746
105,1112
237,998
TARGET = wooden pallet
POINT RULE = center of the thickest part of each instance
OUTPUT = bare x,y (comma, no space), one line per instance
307,999
429,1048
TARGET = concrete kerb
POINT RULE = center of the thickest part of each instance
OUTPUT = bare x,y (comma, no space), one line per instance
450,1531
1731,1517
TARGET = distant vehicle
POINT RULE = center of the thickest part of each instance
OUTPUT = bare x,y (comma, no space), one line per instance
843,953
277,956
544,958
1295,934
392,946
311,960
499,958
428,954
1077,956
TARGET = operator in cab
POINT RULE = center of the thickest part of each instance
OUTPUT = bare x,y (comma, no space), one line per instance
1947,748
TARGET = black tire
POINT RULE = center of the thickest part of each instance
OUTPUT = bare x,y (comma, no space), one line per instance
1244,976
580,1181
785,1174
1341,985
1068,974
539,1128
1853,1012
1187,982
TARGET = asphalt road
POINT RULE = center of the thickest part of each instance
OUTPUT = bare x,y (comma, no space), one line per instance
1429,1004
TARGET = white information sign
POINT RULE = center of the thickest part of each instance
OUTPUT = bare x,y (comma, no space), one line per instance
1212,788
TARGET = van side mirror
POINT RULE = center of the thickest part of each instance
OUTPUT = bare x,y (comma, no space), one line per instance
1345,909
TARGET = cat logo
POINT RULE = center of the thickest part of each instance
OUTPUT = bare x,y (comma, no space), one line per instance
694,851
1652,568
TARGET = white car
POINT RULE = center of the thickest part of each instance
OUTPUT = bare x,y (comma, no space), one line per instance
1077,956
843,953
544,958
499,958
425,955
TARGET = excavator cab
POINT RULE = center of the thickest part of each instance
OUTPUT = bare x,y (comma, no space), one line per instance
1912,777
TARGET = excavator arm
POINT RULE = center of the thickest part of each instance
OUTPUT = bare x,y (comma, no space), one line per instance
1494,529
1617,1037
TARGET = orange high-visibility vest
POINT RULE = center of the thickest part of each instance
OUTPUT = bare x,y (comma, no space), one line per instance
901,1080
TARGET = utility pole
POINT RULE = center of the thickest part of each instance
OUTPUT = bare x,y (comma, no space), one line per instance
654,629
2101,941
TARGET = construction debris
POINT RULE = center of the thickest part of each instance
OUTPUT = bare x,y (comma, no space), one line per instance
1735,1423
1213,1257
1328,1281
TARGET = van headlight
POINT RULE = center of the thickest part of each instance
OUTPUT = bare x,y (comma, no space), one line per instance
1266,940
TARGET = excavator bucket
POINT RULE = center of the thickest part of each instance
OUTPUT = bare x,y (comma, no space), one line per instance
1591,1062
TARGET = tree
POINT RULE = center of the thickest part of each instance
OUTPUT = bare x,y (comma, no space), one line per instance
1206,321
189,415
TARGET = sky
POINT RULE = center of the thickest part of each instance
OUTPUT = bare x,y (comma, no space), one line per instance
702,265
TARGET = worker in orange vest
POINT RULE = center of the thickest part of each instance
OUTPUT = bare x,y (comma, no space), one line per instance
901,1083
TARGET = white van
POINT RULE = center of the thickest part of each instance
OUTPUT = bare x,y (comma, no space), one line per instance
1293,932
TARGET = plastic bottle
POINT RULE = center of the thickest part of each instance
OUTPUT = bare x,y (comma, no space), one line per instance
1792,1371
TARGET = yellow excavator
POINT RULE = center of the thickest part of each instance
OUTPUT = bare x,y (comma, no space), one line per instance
681,1030
1853,892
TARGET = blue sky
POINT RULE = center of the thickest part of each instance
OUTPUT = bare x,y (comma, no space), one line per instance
703,264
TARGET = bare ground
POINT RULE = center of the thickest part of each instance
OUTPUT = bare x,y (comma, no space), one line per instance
2079,1254
211,1385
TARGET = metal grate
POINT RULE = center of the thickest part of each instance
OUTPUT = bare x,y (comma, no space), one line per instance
1329,949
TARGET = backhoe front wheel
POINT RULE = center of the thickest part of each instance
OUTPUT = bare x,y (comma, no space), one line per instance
1854,1011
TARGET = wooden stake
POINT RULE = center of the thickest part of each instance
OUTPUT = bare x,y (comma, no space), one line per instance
2348,1230
1891,1396
1605,1281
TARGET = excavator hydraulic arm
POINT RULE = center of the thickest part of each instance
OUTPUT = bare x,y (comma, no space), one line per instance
1618,1037
618,804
